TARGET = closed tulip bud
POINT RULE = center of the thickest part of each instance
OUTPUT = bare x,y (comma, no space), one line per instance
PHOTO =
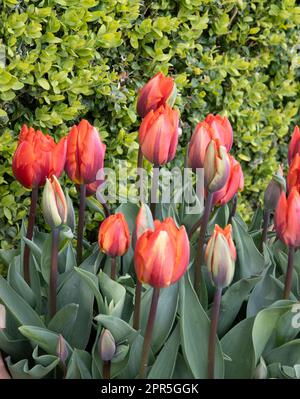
216,166
287,218
2,317
162,256
62,349
222,129
202,136
144,221
37,157
158,135
114,236
155,93
294,147
234,183
276,186
54,203
293,178
70,213
85,153
220,256
107,346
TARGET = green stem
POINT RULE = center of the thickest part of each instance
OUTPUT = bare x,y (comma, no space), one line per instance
200,247
113,269
137,305
154,188
31,222
106,370
266,222
289,274
148,334
213,333
81,222
53,272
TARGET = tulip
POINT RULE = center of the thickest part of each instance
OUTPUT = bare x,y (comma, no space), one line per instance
293,178
107,346
294,147
37,157
54,203
85,157
222,129
158,135
220,257
202,136
234,183
114,238
216,166
154,94
287,225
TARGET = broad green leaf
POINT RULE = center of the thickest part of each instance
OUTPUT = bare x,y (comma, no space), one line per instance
113,294
64,320
79,366
120,330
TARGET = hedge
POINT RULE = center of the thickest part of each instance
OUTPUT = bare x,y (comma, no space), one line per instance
68,59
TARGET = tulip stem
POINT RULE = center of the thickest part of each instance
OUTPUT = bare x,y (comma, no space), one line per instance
266,222
113,268
154,188
148,334
289,274
140,173
213,333
137,305
31,222
106,370
200,247
195,227
53,272
233,208
81,222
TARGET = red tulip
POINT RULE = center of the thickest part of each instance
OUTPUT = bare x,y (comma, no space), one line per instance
222,129
220,256
293,178
216,166
158,135
85,153
287,218
37,157
202,136
235,182
162,255
114,236
294,146
91,188
154,94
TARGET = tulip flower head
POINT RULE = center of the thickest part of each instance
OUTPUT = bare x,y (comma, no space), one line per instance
37,157
293,178
294,147
85,153
144,221
114,236
220,256
222,129
234,183
216,166
276,186
155,93
107,346
162,255
54,203
287,218
158,135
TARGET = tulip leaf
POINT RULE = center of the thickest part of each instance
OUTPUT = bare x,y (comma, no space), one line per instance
17,348
46,258
220,217
287,354
79,366
120,330
64,320
195,327
36,250
238,346
164,364
113,293
182,371
92,281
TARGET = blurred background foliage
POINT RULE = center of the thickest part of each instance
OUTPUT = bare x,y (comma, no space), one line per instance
69,59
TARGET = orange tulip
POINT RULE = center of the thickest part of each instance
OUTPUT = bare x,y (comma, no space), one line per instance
235,182
222,129
293,178
158,135
154,94
220,256
85,153
294,146
91,188
216,166
162,255
37,157
287,218
114,236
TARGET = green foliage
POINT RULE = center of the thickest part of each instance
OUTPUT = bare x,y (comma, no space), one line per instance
87,58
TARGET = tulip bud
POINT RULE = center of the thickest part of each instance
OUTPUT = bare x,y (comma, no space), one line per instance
220,256
216,166
144,221
114,236
54,203
71,214
61,349
276,186
222,129
107,346
294,147
2,317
